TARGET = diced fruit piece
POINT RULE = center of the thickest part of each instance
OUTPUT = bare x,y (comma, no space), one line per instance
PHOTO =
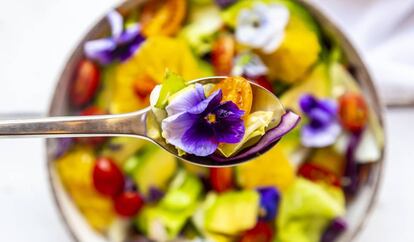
183,192
160,164
143,87
128,204
169,216
222,54
75,169
306,209
316,173
329,159
270,169
107,177
262,232
94,141
85,84
221,179
317,83
237,90
163,17
353,111
233,212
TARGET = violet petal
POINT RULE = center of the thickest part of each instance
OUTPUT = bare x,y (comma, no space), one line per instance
200,140
334,230
269,202
320,137
128,35
116,22
225,3
307,102
100,50
229,126
175,126
186,101
207,104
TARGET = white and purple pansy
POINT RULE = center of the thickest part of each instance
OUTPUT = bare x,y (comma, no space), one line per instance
120,46
262,26
322,128
196,124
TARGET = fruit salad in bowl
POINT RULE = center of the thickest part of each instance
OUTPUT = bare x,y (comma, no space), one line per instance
317,184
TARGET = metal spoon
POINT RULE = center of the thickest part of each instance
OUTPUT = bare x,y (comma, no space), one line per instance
139,124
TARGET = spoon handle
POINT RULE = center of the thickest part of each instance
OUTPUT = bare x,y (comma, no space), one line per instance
129,124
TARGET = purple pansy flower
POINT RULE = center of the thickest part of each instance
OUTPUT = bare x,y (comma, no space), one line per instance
269,202
120,46
323,127
196,124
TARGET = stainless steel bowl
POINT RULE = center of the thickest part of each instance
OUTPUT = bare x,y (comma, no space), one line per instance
357,211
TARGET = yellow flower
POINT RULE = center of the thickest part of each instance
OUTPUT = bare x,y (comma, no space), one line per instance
155,55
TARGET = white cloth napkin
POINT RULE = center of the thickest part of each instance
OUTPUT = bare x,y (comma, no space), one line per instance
383,32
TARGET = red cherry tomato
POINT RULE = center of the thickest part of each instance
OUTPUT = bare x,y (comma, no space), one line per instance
262,81
316,173
262,232
222,54
128,204
107,177
85,84
353,112
94,141
221,179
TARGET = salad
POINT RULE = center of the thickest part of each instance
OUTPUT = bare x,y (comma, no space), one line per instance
299,191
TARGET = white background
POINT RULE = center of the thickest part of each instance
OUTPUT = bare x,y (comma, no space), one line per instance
36,37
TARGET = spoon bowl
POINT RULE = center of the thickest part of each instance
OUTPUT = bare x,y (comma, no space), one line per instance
142,124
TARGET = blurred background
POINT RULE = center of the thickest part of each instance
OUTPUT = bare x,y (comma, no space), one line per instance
36,38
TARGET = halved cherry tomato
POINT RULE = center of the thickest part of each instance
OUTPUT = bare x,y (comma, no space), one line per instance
353,111
163,17
143,86
94,141
222,54
221,179
262,232
107,177
316,173
128,204
86,83
262,81
237,90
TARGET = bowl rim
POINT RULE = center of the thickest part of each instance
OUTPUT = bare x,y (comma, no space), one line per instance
349,50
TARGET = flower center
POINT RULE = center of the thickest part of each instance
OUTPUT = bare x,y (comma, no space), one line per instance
211,118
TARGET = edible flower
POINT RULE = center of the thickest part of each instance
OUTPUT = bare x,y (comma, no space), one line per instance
248,64
323,127
262,26
269,202
196,124
120,46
